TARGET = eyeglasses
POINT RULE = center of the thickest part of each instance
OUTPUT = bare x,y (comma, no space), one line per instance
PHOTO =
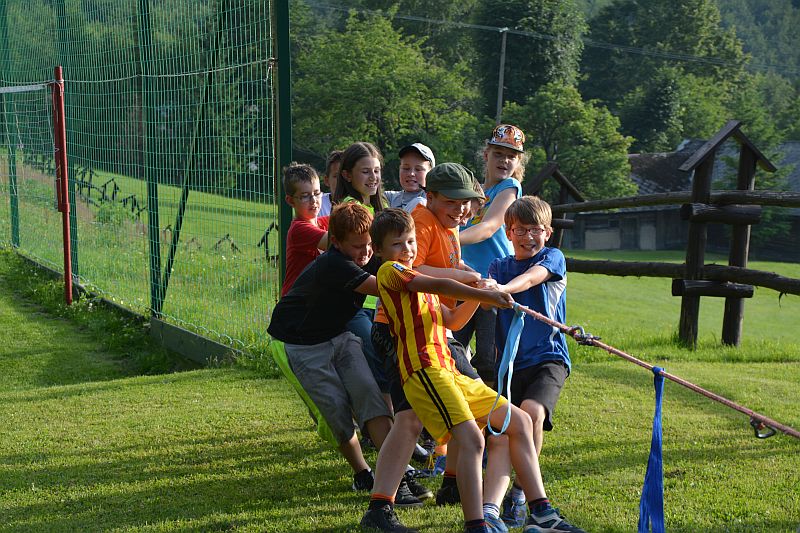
520,231
306,197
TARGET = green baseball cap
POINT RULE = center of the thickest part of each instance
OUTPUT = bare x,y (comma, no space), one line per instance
452,180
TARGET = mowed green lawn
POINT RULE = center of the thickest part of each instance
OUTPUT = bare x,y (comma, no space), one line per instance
90,444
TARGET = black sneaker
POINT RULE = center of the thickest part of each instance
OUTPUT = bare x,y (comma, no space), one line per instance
383,519
363,481
403,497
420,454
448,495
417,489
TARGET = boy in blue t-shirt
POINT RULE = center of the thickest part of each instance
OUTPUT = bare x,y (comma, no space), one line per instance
536,277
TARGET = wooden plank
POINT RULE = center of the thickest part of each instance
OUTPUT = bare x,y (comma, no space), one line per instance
771,198
725,214
563,223
710,147
573,191
760,158
533,186
720,289
759,278
733,316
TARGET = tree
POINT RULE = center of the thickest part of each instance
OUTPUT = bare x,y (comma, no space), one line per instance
666,32
550,53
581,136
369,83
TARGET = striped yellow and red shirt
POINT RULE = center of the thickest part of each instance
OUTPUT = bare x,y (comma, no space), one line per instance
415,320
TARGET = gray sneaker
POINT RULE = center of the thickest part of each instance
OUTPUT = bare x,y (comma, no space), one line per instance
549,521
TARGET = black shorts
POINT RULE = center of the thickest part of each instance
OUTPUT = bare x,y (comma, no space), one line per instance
541,383
385,347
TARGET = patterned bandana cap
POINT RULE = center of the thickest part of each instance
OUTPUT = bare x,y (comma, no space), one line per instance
508,136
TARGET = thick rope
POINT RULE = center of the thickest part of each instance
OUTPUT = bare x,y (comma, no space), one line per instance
757,420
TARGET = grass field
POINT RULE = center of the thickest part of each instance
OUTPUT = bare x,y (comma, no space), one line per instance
90,443
222,285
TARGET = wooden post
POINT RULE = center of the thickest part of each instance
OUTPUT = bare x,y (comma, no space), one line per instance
558,233
740,247
695,253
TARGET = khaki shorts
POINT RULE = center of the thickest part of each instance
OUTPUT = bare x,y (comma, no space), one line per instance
443,400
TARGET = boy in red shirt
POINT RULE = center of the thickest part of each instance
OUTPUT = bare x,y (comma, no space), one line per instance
308,234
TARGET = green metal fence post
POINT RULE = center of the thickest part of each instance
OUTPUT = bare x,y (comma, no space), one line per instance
12,151
145,52
284,118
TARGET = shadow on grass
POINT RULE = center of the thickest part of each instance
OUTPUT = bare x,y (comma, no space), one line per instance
189,480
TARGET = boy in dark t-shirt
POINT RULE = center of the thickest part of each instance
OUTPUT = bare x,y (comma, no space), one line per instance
326,358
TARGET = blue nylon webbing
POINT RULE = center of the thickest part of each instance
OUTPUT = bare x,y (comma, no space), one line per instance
651,505
507,365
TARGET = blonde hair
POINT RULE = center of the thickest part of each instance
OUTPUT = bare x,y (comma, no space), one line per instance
529,210
519,172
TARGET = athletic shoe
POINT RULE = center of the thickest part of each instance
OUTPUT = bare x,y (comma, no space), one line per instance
417,489
476,529
448,495
513,513
420,454
403,497
549,521
383,519
495,525
363,481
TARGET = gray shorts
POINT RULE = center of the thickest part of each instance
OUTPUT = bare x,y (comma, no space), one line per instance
336,377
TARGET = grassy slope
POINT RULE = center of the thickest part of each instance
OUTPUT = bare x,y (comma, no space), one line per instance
88,446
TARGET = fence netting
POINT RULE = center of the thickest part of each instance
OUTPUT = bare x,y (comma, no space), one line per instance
169,116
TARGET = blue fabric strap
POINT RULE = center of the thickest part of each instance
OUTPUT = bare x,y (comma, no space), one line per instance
507,365
651,505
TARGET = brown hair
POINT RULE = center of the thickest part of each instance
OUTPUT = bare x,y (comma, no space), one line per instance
529,210
334,157
350,157
349,218
295,173
390,221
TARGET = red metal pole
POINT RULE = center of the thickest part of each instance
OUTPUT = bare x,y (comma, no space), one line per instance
62,175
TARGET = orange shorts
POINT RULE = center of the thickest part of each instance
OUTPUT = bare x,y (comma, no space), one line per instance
442,399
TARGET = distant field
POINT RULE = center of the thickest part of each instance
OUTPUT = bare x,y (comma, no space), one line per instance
641,314
222,284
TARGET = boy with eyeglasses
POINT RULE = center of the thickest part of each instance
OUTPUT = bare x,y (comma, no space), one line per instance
536,277
308,234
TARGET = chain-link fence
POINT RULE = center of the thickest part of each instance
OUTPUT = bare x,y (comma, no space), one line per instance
170,135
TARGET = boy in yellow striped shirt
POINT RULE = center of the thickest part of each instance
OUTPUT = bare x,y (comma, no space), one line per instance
447,403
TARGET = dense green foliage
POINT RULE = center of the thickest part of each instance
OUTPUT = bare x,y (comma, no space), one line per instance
651,74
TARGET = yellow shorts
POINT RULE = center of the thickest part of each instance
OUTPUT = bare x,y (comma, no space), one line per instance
442,399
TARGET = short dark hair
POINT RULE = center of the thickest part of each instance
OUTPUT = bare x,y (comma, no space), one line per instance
389,221
295,173
349,218
530,210
334,157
